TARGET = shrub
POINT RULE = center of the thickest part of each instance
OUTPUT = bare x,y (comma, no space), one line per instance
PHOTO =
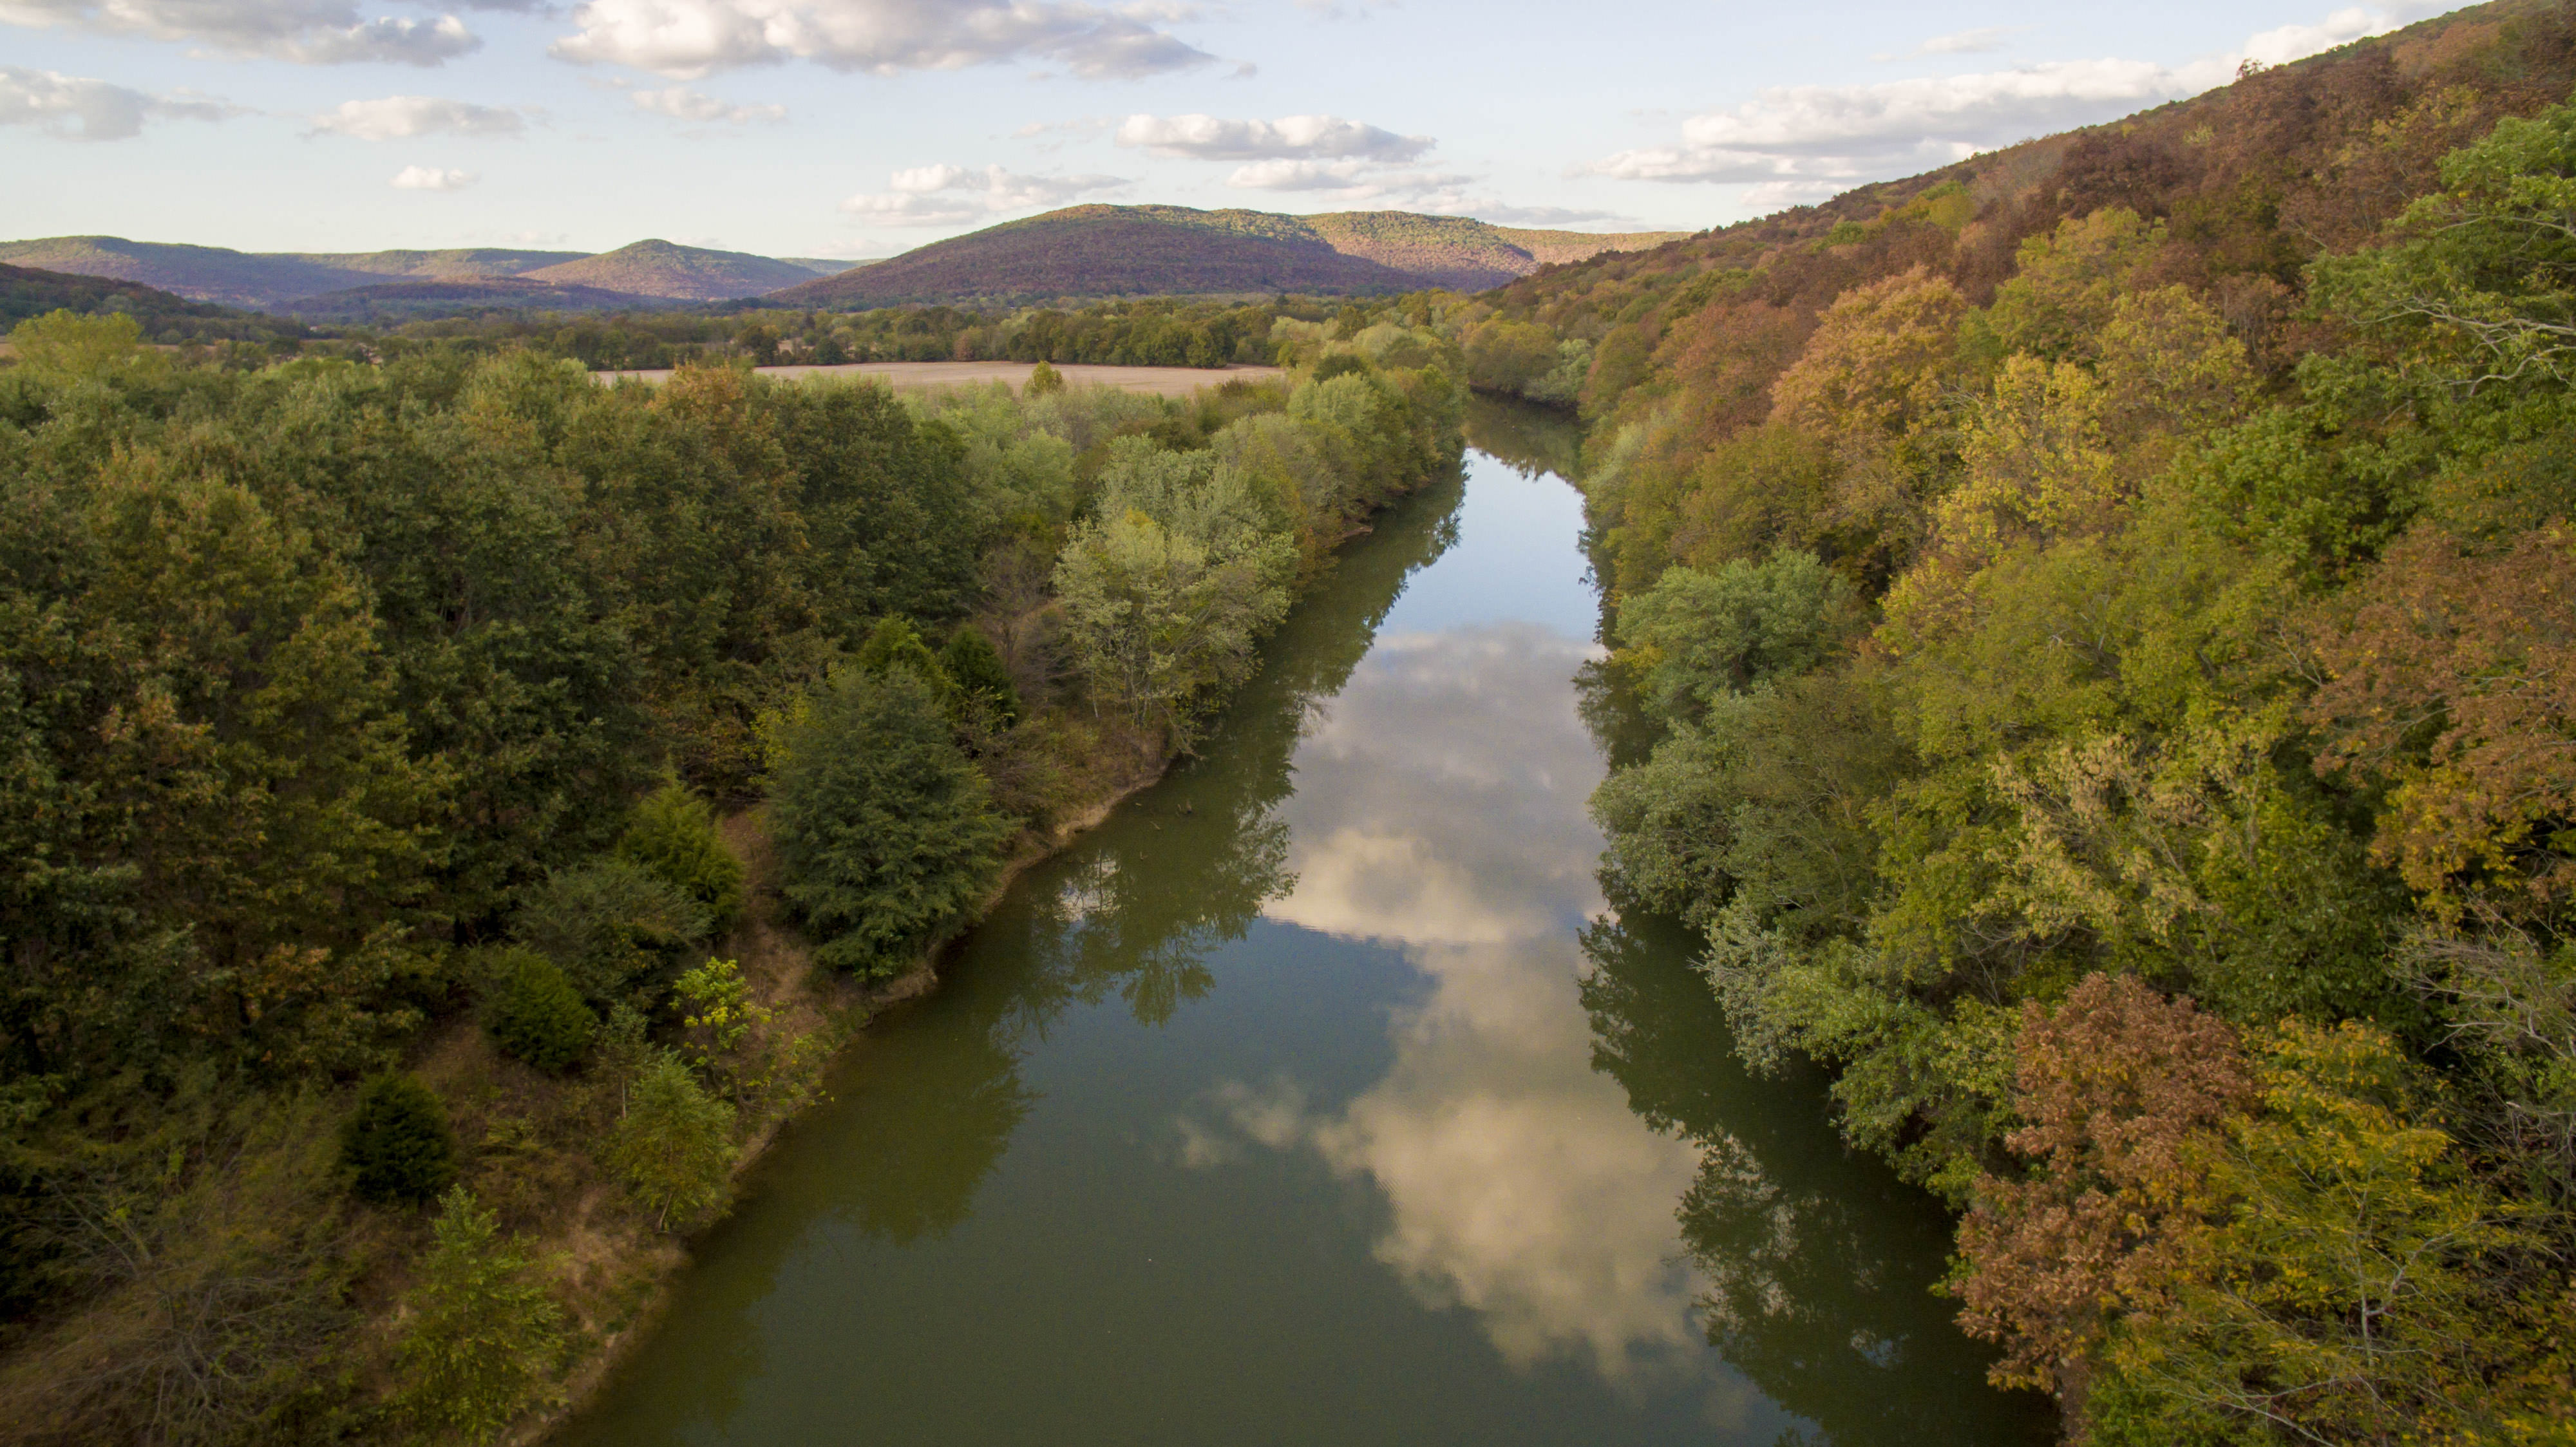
673,834
535,1014
887,834
975,667
397,1146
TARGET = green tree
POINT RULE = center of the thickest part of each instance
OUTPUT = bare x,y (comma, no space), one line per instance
1044,381
483,1335
894,643
970,661
673,834
887,834
674,1145
1168,591
616,927
535,1014
1697,635
397,1146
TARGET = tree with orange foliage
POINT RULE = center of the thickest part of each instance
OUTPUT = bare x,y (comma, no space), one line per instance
2115,1085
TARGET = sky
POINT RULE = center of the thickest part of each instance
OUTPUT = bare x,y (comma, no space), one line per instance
859,128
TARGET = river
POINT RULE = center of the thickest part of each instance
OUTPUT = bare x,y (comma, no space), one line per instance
1318,1098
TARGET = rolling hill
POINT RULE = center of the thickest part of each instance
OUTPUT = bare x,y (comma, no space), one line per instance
271,280
165,317
687,273
1098,250
392,302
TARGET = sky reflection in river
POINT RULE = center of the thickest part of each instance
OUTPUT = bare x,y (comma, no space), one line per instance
1442,811
1313,1099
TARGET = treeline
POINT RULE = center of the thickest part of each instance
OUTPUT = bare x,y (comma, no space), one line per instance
2114,697
1148,333
373,929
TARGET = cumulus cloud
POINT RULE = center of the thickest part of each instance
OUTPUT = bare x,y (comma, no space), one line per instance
313,32
945,195
687,39
1805,142
683,104
431,178
1212,138
76,108
400,117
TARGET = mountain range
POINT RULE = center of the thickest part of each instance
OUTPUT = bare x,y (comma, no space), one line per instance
273,280
1079,252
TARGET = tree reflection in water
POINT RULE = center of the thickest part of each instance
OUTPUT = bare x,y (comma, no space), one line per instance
1817,1264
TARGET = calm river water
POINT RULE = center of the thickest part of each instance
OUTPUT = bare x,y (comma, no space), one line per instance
1316,1099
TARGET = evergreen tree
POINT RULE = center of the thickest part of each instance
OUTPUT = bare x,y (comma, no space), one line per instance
674,1146
482,1331
975,666
397,1146
896,644
536,1015
673,834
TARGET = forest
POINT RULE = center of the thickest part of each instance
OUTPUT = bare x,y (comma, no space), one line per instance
456,808
2104,614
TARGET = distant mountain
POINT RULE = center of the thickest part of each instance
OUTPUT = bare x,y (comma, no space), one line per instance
201,273
827,266
271,279
166,317
401,301
689,273
460,264
1096,251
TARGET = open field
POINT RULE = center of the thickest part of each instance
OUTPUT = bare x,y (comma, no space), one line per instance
1161,381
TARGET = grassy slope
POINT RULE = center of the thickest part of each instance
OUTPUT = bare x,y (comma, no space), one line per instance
1090,251
1461,252
691,273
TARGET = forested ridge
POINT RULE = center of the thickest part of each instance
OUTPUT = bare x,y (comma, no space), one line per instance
2105,615
455,808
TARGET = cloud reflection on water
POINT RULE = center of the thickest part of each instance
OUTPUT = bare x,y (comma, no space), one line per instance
1451,825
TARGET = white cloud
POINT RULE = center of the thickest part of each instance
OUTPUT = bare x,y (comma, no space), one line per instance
683,104
687,39
1212,138
945,195
399,117
314,32
1797,143
75,108
431,178
1984,40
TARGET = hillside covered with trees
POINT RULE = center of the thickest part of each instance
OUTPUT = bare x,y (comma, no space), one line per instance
1114,251
2104,612
456,807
